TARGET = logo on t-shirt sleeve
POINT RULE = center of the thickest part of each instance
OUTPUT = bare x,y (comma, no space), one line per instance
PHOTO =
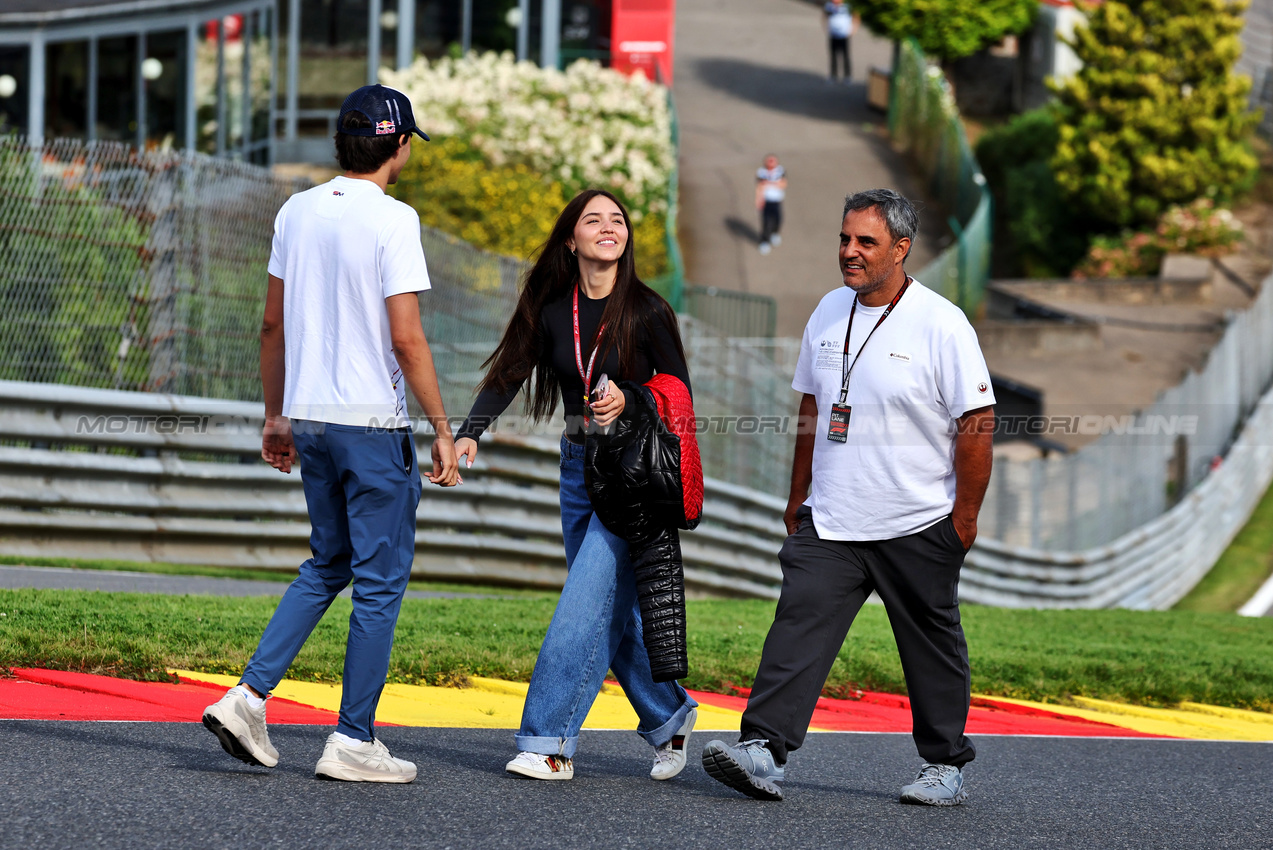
982,387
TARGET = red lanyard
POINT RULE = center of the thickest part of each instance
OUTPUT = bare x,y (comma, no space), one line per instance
586,377
847,367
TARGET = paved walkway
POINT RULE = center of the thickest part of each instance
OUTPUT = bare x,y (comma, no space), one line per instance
160,785
751,80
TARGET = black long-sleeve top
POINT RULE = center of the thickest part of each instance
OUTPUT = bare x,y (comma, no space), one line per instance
656,352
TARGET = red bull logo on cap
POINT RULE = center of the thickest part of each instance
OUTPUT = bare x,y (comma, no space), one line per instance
384,128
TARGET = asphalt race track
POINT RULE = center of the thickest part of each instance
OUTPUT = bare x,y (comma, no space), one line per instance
140,785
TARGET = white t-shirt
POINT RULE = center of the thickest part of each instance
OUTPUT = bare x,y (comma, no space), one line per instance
921,370
341,249
771,189
839,20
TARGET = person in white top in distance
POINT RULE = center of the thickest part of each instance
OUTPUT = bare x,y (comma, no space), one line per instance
841,23
771,191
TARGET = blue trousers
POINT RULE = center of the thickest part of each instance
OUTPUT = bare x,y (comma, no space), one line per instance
362,487
596,627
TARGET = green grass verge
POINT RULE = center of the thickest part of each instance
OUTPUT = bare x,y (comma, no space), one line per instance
1150,658
1242,568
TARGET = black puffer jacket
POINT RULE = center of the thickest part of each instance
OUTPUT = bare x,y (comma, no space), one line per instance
634,483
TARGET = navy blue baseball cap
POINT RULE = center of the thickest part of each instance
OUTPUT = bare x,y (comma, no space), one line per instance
388,110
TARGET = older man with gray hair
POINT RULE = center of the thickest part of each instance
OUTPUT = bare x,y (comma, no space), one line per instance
893,456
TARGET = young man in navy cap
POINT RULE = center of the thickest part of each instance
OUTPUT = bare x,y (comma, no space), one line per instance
340,343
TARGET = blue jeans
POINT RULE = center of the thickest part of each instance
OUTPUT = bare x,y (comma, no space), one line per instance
362,487
596,627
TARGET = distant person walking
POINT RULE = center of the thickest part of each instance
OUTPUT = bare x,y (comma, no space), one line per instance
841,23
340,342
891,464
771,191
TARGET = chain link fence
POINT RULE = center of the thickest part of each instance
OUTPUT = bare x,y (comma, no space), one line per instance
127,270
735,314
742,386
146,271
924,123
1142,465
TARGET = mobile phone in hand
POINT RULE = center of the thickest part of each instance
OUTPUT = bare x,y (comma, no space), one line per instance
602,388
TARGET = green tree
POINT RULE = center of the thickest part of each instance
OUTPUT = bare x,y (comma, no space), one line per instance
1156,117
947,29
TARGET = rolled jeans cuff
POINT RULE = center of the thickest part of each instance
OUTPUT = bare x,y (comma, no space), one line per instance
665,733
564,747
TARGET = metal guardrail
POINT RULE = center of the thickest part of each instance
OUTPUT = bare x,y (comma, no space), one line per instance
1151,567
151,477
736,314
142,476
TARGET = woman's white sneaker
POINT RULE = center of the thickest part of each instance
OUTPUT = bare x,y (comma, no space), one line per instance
669,759
537,766
361,761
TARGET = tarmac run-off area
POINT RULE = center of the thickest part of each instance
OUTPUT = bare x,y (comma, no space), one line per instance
1045,776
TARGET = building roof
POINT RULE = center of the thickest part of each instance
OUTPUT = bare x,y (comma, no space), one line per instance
40,12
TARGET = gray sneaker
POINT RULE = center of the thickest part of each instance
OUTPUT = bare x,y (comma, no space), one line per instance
366,761
241,728
747,767
936,785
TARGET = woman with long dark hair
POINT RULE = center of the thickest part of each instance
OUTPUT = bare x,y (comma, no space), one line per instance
583,314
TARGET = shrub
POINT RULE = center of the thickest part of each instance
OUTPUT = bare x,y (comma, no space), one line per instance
1155,117
1039,234
947,29
1126,255
1199,228
509,209
585,127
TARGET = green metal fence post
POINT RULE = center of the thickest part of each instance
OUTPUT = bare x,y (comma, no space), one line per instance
924,124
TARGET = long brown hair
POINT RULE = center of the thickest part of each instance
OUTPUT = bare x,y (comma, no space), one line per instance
632,304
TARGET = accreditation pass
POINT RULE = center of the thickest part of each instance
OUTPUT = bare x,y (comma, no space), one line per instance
838,429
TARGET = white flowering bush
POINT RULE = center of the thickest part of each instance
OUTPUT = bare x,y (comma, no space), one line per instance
585,127
1200,228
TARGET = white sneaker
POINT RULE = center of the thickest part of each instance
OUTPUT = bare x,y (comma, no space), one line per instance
669,759
241,728
764,248
367,761
775,240
537,766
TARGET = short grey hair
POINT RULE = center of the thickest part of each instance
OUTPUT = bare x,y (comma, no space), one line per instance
899,214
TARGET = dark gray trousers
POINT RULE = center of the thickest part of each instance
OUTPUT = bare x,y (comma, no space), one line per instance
824,585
